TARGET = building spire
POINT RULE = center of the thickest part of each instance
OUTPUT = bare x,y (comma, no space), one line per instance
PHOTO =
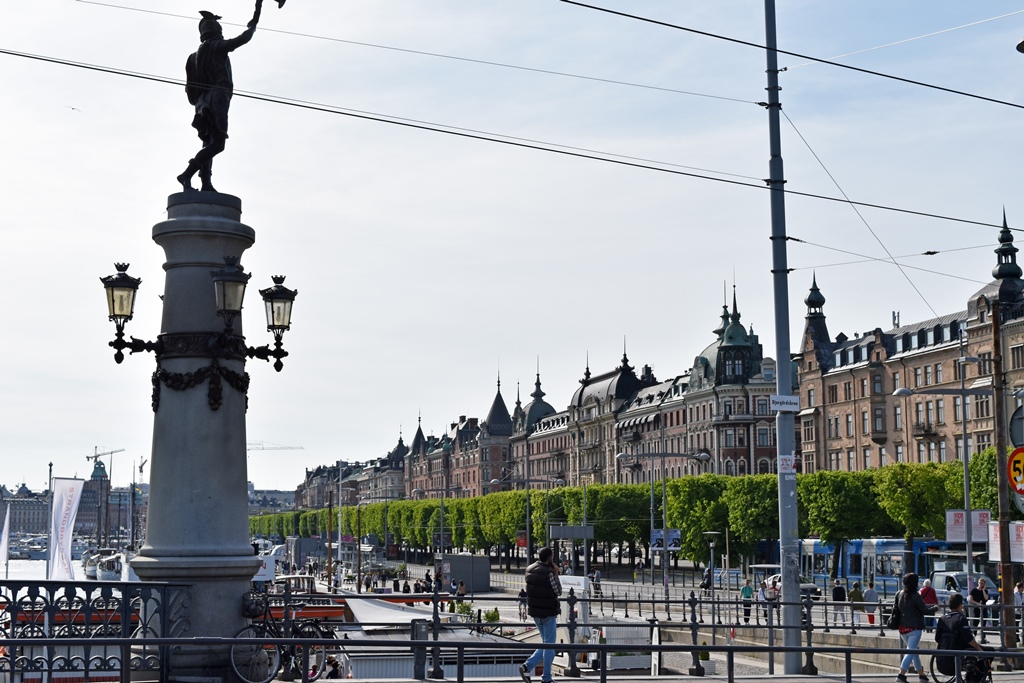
735,317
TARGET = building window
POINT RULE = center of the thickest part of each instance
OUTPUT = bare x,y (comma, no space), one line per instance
920,452
876,382
730,438
983,406
1017,357
917,377
896,381
865,422
930,411
851,462
849,424
864,387
899,452
810,398
867,457
938,373
833,460
942,451
808,430
940,411
932,452
985,368
879,419
927,375
833,393
897,416
919,413
848,391
763,437
984,441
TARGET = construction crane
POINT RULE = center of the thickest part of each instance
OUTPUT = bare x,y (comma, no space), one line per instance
267,446
101,504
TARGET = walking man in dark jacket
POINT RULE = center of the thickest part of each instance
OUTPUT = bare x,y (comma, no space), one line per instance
542,591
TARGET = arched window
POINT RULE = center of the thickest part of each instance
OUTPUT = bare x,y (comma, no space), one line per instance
730,467
763,466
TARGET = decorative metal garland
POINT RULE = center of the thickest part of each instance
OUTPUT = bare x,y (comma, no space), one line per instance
187,380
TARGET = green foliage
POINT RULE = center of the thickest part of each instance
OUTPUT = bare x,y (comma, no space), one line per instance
464,608
491,616
914,496
901,498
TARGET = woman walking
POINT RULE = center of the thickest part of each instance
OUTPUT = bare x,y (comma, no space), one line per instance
911,625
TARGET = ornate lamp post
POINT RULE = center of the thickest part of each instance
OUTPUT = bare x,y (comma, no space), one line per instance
198,530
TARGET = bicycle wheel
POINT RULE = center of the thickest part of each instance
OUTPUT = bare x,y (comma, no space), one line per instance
317,651
255,663
937,675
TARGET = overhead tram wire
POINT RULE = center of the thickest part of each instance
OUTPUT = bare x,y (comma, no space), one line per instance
905,40
864,258
859,214
484,137
424,53
798,55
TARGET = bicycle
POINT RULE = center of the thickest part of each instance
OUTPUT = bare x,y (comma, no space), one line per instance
973,668
259,663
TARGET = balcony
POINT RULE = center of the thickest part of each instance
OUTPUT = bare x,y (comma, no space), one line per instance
925,431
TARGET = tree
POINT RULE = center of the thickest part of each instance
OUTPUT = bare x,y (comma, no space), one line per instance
753,505
841,506
915,496
695,505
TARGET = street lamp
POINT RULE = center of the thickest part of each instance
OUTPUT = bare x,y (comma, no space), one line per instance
229,285
712,536
963,393
436,671
550,483
702,456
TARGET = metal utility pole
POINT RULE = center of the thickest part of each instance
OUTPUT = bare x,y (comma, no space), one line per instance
784,434
1010,615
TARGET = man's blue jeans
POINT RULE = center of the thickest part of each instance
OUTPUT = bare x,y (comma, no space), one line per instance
546,627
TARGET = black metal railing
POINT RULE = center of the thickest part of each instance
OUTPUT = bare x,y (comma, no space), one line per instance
58,626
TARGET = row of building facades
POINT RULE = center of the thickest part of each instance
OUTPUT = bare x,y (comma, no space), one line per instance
715,417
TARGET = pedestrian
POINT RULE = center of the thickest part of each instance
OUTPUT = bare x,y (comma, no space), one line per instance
417,587
838,603
366,582
542,591
597,582
426,578
870,601
977,598
334,671
762,598
452,587
953,633
771,596
856,605
405,586
1018,604
747,595
930,598
460,592
912,612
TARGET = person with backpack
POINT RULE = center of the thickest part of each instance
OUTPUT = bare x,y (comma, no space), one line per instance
952,632
911,612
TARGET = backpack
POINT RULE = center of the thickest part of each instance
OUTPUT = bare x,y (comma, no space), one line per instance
893,622
950,638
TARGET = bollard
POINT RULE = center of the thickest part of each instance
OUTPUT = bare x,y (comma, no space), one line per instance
809,669
639,605
825,603
696,669
435,669
573,670
419,654
771,640
881,620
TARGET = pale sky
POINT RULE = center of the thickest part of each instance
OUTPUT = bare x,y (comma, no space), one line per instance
426,263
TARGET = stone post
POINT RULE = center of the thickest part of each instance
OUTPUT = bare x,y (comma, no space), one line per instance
198,531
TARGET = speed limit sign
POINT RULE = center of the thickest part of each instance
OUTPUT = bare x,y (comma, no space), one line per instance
1015,466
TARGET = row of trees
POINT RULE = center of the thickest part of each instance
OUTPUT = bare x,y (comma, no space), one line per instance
901,499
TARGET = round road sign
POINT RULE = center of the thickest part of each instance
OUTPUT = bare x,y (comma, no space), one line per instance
1015,469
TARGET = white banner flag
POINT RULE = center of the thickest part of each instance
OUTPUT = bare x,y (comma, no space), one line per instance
5,540
67,493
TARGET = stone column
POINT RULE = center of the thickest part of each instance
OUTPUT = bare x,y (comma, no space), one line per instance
198,531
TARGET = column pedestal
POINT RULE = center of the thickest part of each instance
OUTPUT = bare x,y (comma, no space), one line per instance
198,528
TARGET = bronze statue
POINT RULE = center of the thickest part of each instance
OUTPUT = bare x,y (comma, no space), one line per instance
209,86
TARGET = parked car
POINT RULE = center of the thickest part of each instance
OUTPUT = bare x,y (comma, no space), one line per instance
947,583
807,586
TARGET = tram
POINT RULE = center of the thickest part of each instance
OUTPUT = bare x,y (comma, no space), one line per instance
882,560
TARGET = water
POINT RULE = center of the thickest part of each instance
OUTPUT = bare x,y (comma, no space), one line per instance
35,570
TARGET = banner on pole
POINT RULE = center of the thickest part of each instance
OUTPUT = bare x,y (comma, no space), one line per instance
956,526
5,540
67,494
